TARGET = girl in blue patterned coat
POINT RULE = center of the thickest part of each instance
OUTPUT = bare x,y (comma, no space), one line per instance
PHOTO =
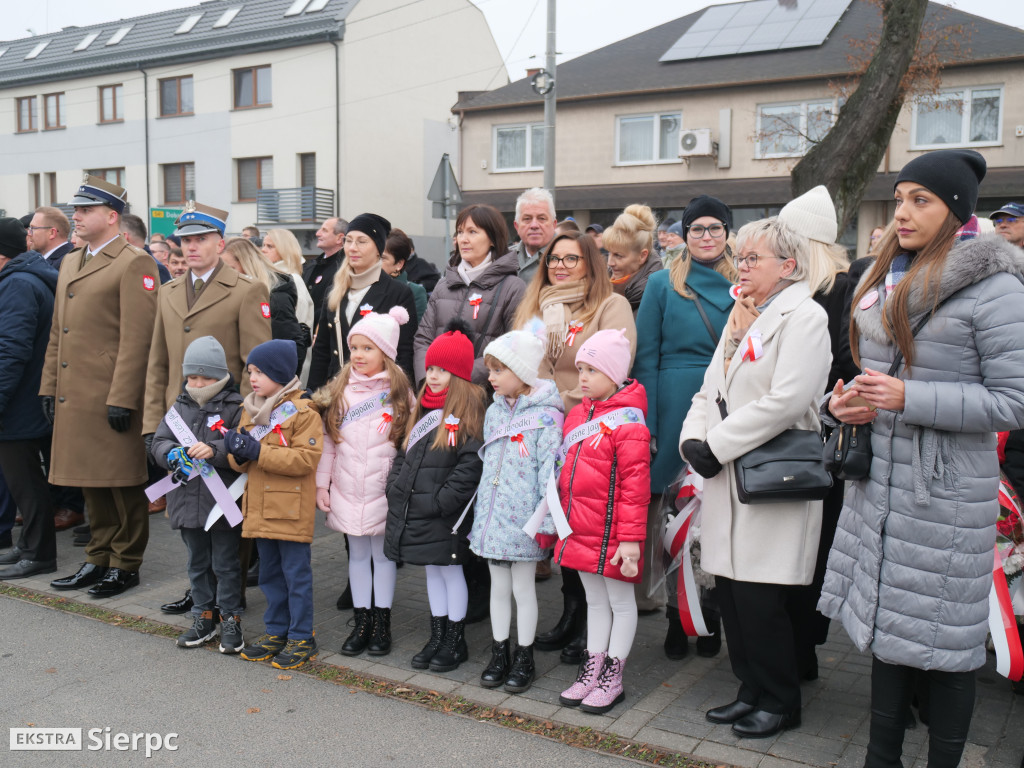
522,433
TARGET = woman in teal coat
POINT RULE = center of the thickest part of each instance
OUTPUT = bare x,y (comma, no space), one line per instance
674,347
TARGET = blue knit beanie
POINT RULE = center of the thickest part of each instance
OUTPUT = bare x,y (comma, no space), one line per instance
278,359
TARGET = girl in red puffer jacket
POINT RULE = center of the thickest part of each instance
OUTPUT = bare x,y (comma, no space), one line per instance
604,489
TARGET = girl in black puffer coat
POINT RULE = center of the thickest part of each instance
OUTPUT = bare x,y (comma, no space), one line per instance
430,491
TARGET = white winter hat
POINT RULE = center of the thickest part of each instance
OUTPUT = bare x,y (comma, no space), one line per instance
382,330
813,215
521,351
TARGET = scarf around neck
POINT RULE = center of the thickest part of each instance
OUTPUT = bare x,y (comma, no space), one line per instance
365,279
555,303
259,407
434,400
469,274
203,395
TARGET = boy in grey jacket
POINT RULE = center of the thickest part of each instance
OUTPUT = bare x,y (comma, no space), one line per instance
189,437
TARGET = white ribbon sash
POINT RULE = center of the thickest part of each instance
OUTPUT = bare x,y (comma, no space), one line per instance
551,503
278,416
364,408
423,427
549,417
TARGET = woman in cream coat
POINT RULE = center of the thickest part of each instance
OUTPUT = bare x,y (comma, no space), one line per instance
755,552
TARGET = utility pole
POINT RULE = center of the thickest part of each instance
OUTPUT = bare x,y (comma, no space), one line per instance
549,105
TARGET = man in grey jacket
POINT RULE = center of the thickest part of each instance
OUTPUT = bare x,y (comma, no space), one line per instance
535,224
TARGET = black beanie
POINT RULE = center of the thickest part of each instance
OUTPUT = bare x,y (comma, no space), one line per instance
705,205
952,174
278,359
12,237
377,228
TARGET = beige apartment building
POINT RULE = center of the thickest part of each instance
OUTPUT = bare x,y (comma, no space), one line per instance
283,112
725,101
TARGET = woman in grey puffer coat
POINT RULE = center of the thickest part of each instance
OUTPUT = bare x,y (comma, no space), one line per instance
910,569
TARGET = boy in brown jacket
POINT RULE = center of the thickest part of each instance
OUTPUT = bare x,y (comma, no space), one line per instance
280,451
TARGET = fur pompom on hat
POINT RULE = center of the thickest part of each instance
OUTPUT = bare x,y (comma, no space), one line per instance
453,351
382,330
812,215
521,351
954,175
608,352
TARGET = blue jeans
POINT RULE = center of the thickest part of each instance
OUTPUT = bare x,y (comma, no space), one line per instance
213,569
286,578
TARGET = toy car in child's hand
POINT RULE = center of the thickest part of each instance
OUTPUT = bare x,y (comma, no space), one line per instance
243,446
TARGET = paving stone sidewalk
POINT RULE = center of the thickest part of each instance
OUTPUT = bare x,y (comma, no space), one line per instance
665,701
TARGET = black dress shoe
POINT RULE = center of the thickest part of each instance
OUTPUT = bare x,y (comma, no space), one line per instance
729,713
81,539
760,724
86,575
575,651
115,582
179,607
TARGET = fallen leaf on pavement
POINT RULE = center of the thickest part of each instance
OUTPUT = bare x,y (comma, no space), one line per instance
252,710
284,677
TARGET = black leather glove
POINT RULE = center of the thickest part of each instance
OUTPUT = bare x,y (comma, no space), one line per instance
119,419
242,445
49,405
701,459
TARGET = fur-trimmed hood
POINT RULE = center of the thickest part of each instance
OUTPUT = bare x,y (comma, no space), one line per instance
967,263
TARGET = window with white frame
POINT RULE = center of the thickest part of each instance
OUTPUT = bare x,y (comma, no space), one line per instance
650,138
789,130
964,117
519,147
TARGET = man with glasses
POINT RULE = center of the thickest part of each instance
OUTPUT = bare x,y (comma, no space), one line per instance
1009,221
48,234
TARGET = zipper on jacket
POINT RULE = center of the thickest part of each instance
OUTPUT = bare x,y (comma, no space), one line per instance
608,515
572,476
495,482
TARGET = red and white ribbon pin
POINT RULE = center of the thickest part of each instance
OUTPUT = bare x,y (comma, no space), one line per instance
277,430
385,422
452,425
574,327
365,310
753,350
475,301
605,430
523,450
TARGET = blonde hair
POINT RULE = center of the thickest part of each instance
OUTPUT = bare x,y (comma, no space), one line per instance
288,248
250,261
399,397
466,400
632,232
782,240
679,269
824,262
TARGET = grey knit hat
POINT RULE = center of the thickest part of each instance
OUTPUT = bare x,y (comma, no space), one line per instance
205,357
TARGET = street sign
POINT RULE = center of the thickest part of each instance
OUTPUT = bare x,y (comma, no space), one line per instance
161,220
444,189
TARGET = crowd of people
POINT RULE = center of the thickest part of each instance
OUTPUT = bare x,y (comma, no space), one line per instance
533,404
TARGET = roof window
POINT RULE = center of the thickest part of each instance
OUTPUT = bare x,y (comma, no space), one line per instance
227,17
37,50
296,8
87,41
317,5
118,36
187,24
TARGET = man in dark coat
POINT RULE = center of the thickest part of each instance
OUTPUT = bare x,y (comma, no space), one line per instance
27,284
420,271
48,234
318,272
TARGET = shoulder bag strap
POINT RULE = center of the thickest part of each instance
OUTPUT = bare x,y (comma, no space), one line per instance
917,329
704,316
487,320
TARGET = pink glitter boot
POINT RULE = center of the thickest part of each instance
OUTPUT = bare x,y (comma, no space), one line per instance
586,680
608,691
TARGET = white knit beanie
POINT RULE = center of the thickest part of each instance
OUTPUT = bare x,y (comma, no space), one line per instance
813,215
382,330
521,351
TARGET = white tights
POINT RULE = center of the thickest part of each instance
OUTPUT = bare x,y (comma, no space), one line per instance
519,581
378,583
611,615
447,591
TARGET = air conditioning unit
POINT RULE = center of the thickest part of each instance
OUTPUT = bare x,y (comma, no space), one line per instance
696,142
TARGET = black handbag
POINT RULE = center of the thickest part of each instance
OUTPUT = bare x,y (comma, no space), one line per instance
789,467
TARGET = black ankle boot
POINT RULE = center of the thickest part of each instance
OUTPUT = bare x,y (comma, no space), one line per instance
497,669
576,650
438,627
361,634
523,671
453,650
380,643
345,600
676,645
559,636
709,646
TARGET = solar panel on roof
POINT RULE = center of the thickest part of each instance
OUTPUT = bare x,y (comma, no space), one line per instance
187,24
757,26
87,41
118,36
37,50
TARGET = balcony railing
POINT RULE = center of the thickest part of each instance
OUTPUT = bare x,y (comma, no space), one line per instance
296,205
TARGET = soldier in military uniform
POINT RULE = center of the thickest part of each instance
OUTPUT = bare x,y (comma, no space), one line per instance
211,299
92,386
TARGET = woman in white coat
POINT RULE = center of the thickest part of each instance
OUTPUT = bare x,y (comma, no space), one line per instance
769,369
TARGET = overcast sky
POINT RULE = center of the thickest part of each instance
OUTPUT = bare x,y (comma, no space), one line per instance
518,25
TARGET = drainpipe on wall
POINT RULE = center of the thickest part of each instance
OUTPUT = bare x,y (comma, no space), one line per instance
145,123
337,127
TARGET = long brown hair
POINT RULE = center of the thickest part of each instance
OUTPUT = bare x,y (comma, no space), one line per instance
926,265
679,270
598,285
466,400
401,411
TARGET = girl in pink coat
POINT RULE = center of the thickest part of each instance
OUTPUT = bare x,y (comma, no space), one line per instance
367,409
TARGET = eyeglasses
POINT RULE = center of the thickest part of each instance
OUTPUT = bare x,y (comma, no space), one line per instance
33,229
569,260
1007,220
752,259
698,230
